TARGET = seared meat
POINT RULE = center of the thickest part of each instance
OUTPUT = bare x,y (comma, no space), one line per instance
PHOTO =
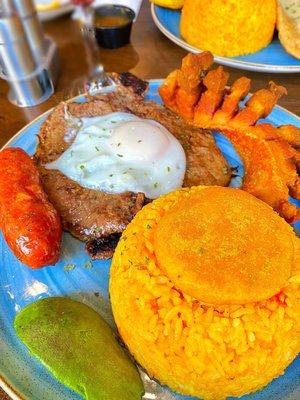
135,85
96,217
90,214
205,162
104,246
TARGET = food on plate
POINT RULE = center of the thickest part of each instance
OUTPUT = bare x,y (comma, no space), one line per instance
288,25
228,28
209,278
271,155
174,4
30,224
79,348
48,5
129,179
120,152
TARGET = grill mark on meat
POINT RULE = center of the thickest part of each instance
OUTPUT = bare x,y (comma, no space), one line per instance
103,247
96,217
137,85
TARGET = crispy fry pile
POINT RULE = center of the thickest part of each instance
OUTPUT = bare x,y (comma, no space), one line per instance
270,154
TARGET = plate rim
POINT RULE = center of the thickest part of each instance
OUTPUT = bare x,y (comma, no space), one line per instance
11,391
49,15
47,112
230,62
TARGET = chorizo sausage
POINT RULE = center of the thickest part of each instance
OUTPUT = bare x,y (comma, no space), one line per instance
30,224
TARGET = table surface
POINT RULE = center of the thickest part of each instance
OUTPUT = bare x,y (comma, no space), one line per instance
150,55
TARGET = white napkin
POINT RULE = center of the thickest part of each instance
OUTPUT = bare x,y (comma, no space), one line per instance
135,5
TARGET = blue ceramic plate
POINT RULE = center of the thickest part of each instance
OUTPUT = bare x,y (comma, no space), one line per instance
272,58
75,276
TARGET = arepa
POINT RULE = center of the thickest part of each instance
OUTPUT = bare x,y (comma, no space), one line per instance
205,291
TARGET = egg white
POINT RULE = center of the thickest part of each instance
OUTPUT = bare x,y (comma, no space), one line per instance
121,152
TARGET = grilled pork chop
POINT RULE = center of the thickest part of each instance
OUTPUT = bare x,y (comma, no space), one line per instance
99,218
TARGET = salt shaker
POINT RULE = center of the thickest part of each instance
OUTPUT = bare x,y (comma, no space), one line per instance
29,81
43,48
26,11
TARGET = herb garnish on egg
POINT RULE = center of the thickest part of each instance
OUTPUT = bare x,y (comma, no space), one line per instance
152,160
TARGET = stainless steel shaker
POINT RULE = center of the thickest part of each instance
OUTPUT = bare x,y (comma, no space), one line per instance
28,60
32,27
29,83
43,48
26,12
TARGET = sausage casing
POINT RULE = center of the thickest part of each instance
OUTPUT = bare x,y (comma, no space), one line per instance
30,224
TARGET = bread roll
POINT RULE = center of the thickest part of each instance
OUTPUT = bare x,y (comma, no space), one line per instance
288,25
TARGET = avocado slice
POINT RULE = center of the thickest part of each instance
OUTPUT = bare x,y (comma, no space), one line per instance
79,348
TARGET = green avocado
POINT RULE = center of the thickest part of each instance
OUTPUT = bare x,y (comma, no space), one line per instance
79,348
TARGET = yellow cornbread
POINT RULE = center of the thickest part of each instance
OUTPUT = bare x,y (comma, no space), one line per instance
207,347
228,28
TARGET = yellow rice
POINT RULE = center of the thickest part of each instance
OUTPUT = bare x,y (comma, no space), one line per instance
228,27
197,349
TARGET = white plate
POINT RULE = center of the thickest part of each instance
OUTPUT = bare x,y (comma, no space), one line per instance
57,12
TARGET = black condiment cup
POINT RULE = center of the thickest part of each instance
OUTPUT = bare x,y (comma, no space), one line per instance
112,37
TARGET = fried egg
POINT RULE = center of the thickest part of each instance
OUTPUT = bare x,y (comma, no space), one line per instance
121,152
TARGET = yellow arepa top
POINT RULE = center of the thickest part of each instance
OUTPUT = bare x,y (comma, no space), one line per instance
205,292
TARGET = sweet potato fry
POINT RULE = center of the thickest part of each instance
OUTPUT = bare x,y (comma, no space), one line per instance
215,82
266,167
186,103
291,134
167,90
193,69
238,90
260,104
270,154
295,189
181,90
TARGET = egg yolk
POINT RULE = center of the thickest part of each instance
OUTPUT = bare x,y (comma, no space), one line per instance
121,152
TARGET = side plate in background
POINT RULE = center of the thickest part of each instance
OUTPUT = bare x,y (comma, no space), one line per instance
56,13
272,58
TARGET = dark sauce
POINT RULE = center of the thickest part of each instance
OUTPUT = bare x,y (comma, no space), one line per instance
109,21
